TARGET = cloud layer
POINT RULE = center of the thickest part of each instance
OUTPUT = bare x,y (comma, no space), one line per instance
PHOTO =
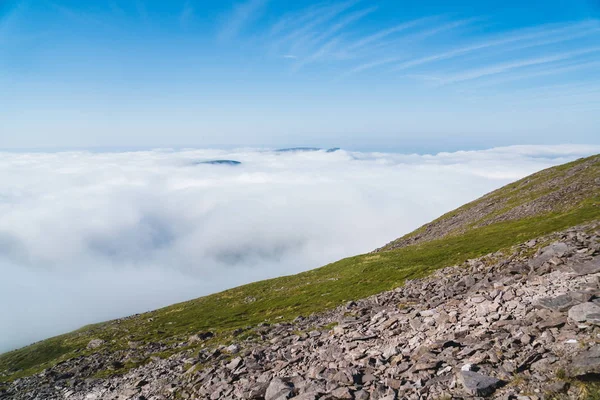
86,237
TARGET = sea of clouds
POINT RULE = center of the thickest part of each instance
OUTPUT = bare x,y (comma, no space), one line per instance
86,237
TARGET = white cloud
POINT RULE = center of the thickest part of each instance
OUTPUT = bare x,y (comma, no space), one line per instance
242,14
86,237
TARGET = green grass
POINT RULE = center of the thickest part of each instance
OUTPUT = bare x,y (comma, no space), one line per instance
285,298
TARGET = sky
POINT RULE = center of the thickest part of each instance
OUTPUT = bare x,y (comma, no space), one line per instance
91,236
386,75
108,106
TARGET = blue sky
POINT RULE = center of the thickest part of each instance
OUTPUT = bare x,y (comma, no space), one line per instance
418,75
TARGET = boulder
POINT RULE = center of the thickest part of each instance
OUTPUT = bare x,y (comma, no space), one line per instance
560,303
279,390
585,312
342,393
478,384
585,363
588,267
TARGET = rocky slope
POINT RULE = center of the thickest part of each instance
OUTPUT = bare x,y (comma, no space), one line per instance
517,324
551,190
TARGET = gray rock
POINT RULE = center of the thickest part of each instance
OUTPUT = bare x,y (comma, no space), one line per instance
361,395
585,363
279,390
557,387
478,384
558,249
234,348
342,393
306,396
256,391
586,268
560,303
236,362
585,312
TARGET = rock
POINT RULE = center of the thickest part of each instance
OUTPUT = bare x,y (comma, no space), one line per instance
364,338
478,384
552,322
236,362
557,387
585,312
586,363
279,390
558,249
342,393
560,303
361,395
586,268
306,396
95,343
467,367
425,364
200,337
141,383
256,391
233,349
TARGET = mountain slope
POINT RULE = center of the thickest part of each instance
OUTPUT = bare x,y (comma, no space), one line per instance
554,190
552,200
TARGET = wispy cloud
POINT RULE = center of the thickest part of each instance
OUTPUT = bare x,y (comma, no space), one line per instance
187,13
386,32
553,70
142,11
333,33
519,37
415,36
343,23
10,19
321,53
116,9
240,17
512,65
81,17
297,32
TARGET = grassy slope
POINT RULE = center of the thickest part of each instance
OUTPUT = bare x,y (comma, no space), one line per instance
556,189
288,297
